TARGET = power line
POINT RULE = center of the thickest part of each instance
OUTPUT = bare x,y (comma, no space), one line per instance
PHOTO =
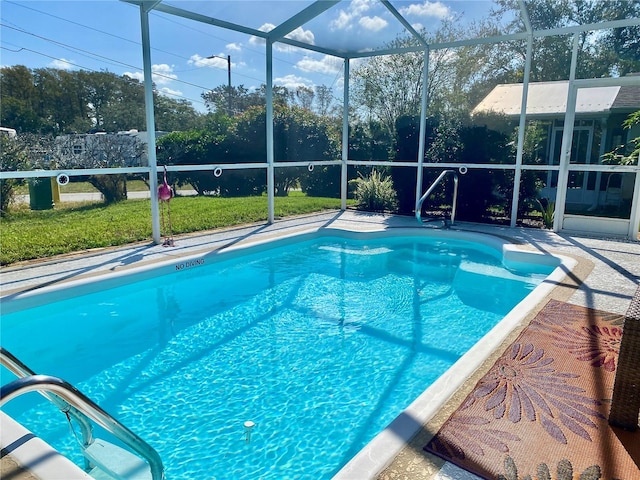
139,69
67,47
89,28
136,42
116,62
129,79
168,19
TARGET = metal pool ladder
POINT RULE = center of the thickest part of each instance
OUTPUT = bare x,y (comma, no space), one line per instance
463,170
103,459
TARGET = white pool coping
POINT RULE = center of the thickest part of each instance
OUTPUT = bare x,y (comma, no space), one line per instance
34,454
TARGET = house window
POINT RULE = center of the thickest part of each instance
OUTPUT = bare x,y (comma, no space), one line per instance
77,149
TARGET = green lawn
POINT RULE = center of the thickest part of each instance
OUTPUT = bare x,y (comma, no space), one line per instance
71,227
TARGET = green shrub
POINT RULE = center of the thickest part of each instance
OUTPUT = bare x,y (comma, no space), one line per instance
375,193
548,210
12,157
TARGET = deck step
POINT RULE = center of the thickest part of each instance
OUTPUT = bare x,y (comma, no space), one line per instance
114,462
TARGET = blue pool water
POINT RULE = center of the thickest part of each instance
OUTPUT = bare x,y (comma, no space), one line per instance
321,343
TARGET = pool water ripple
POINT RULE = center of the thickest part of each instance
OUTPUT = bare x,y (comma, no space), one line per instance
320,344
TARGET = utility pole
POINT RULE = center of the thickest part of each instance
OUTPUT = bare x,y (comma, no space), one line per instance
228,59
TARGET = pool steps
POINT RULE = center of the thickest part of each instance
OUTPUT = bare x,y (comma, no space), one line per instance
104,459
23,451
38,457
112,462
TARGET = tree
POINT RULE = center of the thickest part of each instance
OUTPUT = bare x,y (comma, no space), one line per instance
59,105
56,101
299,135
624,43
98,89
195,147
173,115
101,151
124,109
232,100
600,53
387,88
629,153
12,157
237,100
324,100
17,96
304,97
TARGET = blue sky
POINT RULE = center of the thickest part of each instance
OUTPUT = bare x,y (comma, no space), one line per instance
105,35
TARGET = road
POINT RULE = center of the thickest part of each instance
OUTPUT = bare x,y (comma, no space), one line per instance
97,196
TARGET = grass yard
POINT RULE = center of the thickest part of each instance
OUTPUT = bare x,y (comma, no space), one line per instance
72,227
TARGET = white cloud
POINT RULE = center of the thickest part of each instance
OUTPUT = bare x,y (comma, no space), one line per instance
135,75
347,17
302,35
162,74
61,64
327,64
292,82
299,34
342,22
216,61
373,23
170,92
427,9
234,47
266,27
358,7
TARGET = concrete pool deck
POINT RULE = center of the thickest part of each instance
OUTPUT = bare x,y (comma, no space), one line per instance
605,277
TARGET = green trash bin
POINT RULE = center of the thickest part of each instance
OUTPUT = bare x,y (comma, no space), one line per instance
40,194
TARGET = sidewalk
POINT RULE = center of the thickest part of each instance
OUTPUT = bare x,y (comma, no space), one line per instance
97,196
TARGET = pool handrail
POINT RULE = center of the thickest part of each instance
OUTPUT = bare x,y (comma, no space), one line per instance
432,187
21,370
79,401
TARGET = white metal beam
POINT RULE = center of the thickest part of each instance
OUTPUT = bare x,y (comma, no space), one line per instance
515,201
567,140
314,48
404,23
524,14
309,13
179,12
344,171
269,127
151,124
634,218
423,125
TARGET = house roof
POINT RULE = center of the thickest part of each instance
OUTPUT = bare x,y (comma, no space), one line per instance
550,99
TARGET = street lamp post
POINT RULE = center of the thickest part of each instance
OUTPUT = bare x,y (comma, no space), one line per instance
228,59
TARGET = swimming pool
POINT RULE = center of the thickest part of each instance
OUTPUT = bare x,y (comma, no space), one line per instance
321,341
